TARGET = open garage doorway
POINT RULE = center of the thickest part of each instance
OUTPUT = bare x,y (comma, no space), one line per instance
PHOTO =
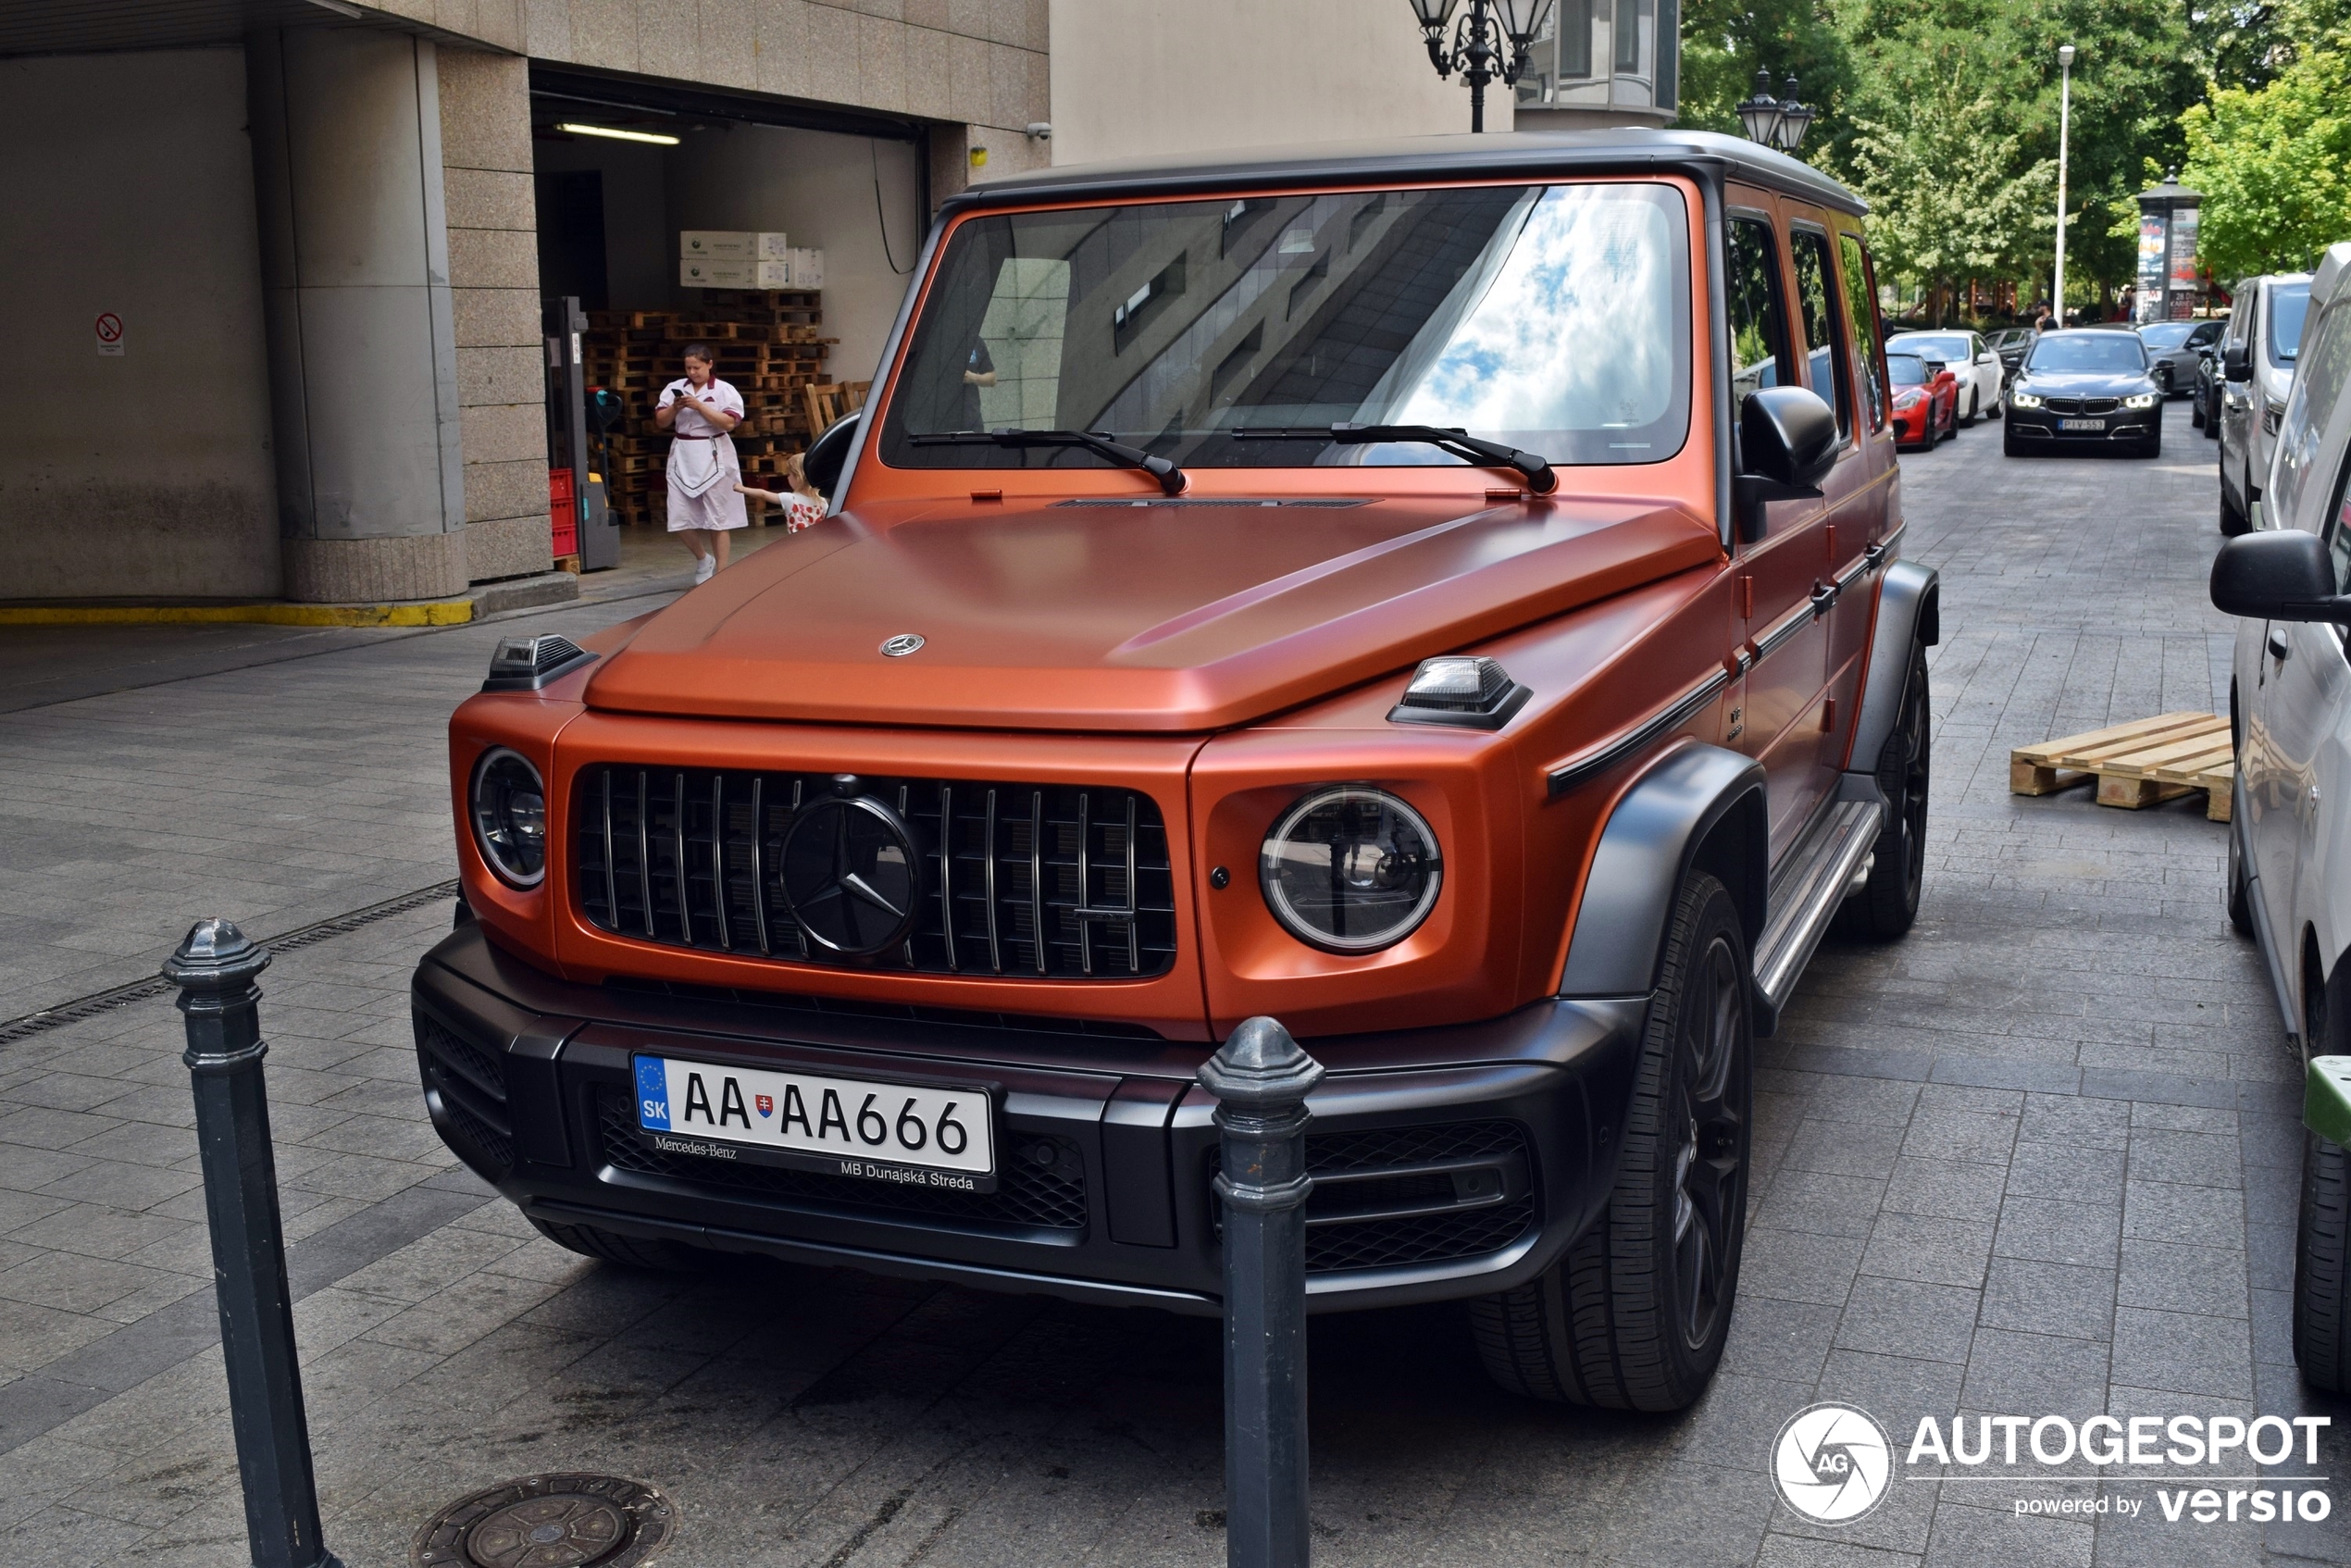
623,169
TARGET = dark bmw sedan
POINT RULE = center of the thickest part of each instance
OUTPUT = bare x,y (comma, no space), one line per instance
2083,388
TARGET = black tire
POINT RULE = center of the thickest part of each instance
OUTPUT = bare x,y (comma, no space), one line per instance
2196,411
629,1251
2010,446
1888,903
1974,408
2233,520
1635,1315
2212,420
2152,447
2322,1267
2239,896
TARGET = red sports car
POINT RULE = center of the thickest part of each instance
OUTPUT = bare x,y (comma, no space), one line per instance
1926,400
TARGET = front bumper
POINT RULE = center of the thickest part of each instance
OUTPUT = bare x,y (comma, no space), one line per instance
1911,425
1452,1161
2036,424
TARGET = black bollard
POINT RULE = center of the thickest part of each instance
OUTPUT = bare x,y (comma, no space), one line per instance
215,969
1260,1078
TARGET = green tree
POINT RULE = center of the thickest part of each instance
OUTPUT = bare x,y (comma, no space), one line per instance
1723,43
1938,157
2274,166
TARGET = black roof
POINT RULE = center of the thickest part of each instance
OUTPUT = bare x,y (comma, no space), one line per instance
1540,155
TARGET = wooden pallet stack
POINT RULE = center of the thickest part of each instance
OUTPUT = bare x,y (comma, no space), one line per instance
767,349
2136,765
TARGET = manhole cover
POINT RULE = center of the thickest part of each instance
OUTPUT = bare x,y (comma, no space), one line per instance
549,1521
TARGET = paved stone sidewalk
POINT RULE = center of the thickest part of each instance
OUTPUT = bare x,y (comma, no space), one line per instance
2039,1158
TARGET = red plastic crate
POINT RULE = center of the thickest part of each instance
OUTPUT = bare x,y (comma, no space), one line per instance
563,513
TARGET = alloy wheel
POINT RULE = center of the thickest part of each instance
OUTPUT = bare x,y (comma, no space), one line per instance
1710,1177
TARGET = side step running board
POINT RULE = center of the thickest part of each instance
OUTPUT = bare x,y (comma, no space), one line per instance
1806,893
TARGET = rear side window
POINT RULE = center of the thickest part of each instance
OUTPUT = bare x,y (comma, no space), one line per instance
1824,336
2310,407
1758,318
1861,316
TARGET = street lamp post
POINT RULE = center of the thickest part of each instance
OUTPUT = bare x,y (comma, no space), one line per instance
2065,128
1486,30
1775,122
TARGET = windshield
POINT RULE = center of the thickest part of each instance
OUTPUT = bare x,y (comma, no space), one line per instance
1907,369
2289,302
2163,336
1553,318
2117,353
1949,347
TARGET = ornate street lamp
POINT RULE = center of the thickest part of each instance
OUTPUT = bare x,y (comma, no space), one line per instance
1487,30
1775,122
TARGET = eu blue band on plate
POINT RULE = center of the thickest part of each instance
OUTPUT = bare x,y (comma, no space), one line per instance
652,1092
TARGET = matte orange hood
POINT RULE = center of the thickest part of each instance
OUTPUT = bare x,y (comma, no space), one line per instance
1122,617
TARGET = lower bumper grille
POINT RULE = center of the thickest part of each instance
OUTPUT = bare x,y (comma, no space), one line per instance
470,1086
1035,881
1389,1197
1041,1186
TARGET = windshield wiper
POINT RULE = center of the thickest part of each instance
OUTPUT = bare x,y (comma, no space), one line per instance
1170,476
1461,443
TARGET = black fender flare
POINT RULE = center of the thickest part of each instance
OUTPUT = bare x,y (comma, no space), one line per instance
1696,801
1909,612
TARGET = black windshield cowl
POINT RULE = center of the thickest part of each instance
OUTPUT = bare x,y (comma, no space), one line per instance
1171,477
1530,466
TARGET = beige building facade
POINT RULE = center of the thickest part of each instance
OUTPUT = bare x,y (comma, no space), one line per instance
333,237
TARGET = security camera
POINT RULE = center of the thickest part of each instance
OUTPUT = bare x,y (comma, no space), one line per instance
1041,129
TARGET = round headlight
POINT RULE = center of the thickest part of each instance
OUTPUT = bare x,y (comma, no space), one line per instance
1351,869
509,809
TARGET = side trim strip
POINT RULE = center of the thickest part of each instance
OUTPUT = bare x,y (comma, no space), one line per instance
1568,775
1796,620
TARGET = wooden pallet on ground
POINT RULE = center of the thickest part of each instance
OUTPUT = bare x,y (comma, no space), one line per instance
2136,765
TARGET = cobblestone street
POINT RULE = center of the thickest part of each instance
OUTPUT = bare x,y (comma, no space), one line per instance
2041,1157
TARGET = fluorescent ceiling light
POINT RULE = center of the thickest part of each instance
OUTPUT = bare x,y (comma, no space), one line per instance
619,135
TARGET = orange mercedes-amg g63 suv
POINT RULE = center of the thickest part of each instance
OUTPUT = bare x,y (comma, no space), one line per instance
1442,594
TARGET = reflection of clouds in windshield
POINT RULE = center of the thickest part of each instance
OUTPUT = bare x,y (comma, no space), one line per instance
1576,331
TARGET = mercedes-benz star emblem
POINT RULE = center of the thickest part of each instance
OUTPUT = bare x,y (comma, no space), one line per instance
905,643
850,875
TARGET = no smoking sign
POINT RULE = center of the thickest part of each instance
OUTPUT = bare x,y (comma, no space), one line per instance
109,330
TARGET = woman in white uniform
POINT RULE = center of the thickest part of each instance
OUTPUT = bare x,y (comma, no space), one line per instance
698,410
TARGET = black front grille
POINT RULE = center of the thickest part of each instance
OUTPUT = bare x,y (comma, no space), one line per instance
2081,404
471,1087
1444,1228
1031,1192
1021,881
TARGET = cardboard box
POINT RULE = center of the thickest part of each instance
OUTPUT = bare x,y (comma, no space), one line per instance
807,269
728,273
732,244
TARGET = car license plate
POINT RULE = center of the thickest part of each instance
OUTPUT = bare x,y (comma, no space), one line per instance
913,1135
2080,424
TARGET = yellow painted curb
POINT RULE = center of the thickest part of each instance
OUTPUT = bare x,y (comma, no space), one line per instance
438,612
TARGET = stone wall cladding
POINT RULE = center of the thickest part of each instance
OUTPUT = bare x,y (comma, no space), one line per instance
972,62
494,280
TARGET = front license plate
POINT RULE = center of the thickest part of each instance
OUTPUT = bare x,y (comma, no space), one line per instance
2080,424
912,1135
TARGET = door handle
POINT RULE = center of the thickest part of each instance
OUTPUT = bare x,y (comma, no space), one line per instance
2277,645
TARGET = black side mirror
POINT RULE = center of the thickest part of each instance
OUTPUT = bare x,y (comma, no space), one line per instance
1787,444
2236,365
2285,574
828,453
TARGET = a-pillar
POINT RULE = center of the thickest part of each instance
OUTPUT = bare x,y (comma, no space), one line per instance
362,363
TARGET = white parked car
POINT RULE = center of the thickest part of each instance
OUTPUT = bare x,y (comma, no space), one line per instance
2258,352
2290,838
1968,357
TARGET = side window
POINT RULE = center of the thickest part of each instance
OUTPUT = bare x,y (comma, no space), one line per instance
2318,389
1758,317
1816,297
1861,314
